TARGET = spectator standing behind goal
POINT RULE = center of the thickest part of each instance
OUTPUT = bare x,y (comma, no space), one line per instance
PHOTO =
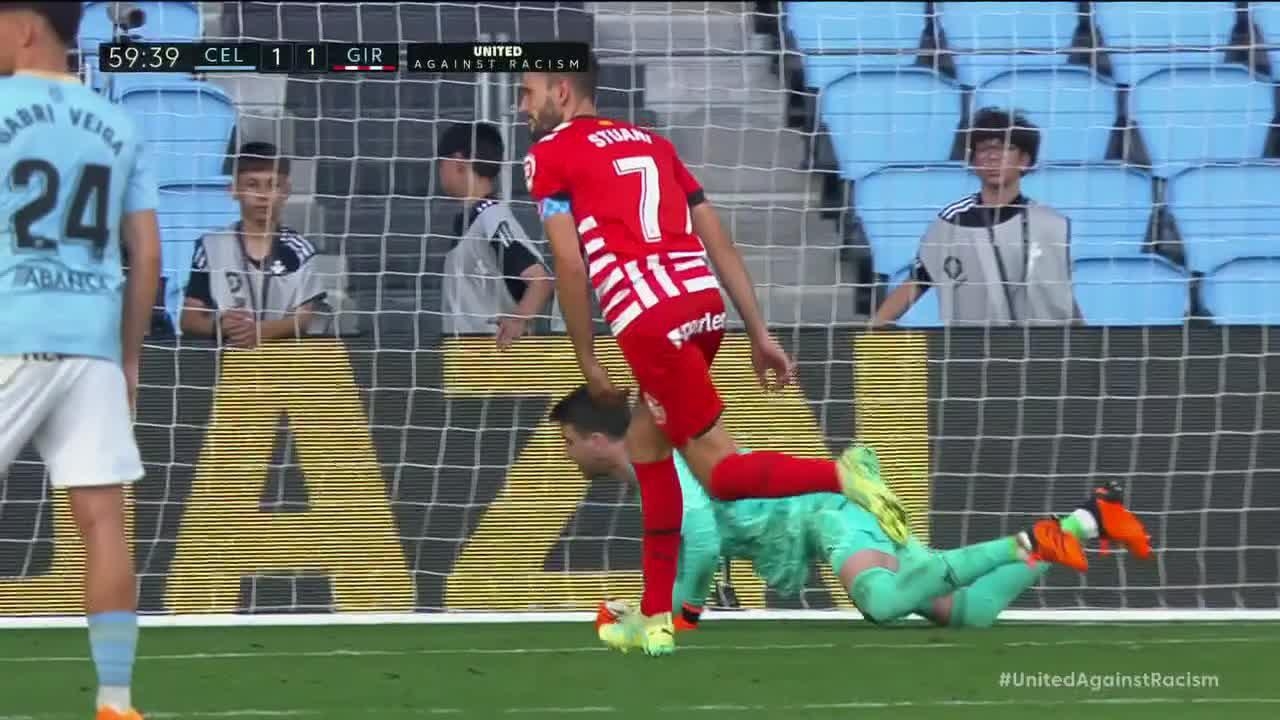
493,275
994,257
253,281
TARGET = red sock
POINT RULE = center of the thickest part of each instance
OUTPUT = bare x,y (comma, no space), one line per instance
662,508
771,475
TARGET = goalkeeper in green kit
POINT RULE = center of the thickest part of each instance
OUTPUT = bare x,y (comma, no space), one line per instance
964,587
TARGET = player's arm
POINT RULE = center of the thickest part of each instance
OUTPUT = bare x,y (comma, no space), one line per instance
903,297
141,231
723,253
142,238
549,187
572,284
729,265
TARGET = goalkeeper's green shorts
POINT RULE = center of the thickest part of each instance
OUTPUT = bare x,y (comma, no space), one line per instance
845,528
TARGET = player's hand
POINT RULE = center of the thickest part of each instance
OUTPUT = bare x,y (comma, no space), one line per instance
768,356
510,329
601,387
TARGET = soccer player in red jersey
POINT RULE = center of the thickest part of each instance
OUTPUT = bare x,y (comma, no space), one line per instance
626,217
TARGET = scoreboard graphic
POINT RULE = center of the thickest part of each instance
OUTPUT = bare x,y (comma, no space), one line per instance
304,58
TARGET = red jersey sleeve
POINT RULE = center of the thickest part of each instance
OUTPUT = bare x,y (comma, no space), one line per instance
544,173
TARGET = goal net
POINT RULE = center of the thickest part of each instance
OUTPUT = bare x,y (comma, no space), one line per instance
387,468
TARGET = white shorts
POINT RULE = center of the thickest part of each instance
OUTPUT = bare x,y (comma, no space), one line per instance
75,411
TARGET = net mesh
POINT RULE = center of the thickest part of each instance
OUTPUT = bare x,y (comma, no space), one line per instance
387,465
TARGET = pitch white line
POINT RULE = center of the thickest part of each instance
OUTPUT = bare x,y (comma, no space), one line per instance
706,708
768,647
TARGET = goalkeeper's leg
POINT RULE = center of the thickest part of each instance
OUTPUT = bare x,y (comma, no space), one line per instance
978,605
887,587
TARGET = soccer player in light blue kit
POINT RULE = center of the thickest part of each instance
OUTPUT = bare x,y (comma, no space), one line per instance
71,327
964,587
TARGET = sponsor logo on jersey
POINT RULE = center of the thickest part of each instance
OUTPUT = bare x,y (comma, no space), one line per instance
709,322
49,275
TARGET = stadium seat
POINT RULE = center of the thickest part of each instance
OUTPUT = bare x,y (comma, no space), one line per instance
875,26
1109,207
1074,109
1229,219
1192,116
175,21
187,211
902,116
187,124
896,205
1130,291
1198,32
985,36
1266,17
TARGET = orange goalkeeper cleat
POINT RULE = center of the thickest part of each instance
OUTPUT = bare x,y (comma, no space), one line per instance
683,625
1117,523
106,713
1054,545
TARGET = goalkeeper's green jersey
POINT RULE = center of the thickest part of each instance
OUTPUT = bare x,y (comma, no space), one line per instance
782,537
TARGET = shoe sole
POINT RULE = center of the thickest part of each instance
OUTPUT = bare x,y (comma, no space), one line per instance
874,497
1139,549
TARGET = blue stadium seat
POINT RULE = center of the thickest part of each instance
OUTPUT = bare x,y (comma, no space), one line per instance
1229,218
1197,32
896,206
926,313
187,211
1074,109
997,30
1130,291
903,116
1193,116
1109,207
175,21
187,125
1266,17
867,26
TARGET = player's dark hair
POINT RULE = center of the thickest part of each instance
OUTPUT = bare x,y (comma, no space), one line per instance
257,156
585,81
63,17
585,415
1014,128
480,142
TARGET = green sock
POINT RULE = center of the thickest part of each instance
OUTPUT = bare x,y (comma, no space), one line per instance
979,604
1072,525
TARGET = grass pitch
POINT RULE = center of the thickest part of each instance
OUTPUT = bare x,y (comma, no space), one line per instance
726,670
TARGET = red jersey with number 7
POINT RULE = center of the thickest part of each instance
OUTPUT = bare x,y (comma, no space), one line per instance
630,196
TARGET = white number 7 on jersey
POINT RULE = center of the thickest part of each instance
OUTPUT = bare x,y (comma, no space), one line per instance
650,194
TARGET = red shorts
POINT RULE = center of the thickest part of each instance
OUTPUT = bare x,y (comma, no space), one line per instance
670,350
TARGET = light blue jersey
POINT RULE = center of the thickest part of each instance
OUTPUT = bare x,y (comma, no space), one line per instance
73,167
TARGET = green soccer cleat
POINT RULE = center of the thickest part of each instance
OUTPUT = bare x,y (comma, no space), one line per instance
659,635
622,635
859,468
